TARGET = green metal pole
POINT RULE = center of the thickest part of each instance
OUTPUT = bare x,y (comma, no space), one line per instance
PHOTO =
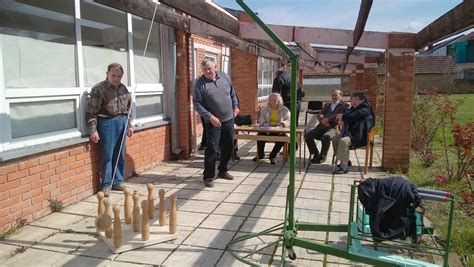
450,226
294,62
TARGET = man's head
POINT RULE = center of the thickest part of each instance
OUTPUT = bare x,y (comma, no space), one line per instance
336,95
114,73
357,98
209,68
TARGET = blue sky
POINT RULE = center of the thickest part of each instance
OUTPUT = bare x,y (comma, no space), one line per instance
385,15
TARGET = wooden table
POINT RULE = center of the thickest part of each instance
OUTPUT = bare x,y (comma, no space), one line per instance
245,133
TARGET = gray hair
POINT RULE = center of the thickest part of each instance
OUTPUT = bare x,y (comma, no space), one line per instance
279,99
207,61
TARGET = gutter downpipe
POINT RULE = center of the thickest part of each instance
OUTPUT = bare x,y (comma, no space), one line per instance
290,230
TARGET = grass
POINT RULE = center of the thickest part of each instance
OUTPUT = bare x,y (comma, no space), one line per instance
437,213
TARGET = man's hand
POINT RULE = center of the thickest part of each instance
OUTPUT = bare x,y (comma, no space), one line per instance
130,132
95,137
215,121
236,111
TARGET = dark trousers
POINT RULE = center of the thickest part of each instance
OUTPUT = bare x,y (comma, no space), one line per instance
275,150
204,132
319,133
224,137
111,133
298,109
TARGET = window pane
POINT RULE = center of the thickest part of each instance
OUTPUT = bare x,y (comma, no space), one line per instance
148,105
37,39
147,67
104,40
30,118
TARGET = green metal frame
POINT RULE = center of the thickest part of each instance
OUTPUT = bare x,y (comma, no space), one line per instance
287,231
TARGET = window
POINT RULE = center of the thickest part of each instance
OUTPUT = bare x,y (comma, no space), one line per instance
146,35
32,118
266,73
51,55
104,40
38,43
226,59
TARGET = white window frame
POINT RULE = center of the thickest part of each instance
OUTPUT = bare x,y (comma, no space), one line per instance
15,95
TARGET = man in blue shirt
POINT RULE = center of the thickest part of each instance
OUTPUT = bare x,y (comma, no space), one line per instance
214,98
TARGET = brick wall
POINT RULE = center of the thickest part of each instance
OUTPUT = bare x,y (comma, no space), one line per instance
244,78
399,58
185,116
68,174
359,77
370,80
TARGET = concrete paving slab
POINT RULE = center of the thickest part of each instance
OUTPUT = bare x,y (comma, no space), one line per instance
242,198
182,232
210,196
35,257
191,219
275,201
268,212
82,208
95,248
199,206
262,244
254,225
64,242
228,260
312,204
209,238
86,225
222,222
153,255
193,256
58,221
262,175
313,194
251,189
257,181
311,216
233,209
276,191
316,186
29,235
7,251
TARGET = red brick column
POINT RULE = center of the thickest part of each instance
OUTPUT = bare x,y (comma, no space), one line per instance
370,80
352,83
400,77
359,77
244,79
184,91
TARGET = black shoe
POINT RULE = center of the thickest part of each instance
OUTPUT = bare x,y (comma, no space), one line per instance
341,171
225,175
320,160
118,187
315,158
236,157
349,163
209,183
202,147
272,161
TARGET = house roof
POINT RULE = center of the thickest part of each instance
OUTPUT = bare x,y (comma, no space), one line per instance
466,37
434,64
429,65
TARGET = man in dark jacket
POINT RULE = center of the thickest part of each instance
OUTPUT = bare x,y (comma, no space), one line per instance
354,126
282,85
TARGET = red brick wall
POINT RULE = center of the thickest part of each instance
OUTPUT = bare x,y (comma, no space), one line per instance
184,66
370,80
399,60
245,81
359,77
68,174
353,82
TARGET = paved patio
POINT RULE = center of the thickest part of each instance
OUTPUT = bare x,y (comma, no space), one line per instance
208,218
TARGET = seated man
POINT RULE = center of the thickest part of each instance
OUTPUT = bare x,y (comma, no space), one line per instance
326,129
274,114
354,126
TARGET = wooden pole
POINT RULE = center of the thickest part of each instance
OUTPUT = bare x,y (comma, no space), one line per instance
117,227
151,201
145,221
136,212
127,209
162,211
173,215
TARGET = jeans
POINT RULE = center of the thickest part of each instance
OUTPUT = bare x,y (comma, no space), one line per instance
319,133
111,132
223,137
